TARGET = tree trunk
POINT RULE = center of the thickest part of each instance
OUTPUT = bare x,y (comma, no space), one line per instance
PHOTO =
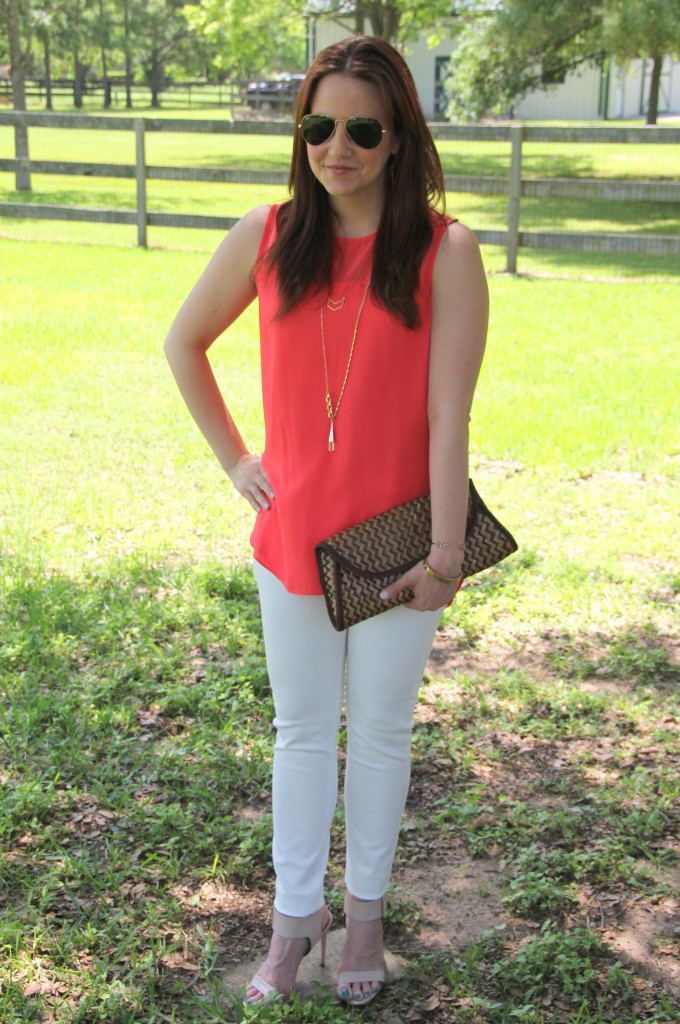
48,71
384,19
391,25
16,56
105,81
156,79
376,14
128,57
654,85
77,80
105,70
128,80
359,19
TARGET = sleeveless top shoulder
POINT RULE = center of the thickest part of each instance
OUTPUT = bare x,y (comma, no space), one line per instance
381,456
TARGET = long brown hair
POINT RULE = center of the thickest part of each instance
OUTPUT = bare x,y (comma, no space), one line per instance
303,252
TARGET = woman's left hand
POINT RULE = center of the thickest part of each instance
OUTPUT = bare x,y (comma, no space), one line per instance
428,593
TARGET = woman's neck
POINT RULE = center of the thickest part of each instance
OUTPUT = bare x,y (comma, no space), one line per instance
355,220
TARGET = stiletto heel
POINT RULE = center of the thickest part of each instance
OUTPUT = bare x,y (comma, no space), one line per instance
310,928
362,910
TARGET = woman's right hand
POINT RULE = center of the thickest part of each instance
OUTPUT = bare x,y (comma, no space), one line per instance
251,481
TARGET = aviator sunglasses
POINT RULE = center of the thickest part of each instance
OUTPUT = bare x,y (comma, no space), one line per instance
365,132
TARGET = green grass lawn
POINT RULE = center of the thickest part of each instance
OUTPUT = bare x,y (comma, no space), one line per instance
540,159
479,211
622,162
135,720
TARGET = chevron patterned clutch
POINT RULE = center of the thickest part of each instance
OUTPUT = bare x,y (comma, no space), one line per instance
356,564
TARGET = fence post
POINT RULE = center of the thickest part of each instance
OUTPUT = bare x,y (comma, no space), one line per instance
514,194
140,175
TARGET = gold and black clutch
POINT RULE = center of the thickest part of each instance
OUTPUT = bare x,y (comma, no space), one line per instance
357,563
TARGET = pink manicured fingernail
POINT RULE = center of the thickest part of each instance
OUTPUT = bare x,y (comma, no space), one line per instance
384,595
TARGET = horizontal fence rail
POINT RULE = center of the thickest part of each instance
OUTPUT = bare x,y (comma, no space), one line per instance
235,92
515,186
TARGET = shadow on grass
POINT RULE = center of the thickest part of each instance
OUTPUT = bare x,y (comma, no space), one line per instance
573,793
562,263
134,730
98,199
585,214
637,656
265,160
135,750
496,163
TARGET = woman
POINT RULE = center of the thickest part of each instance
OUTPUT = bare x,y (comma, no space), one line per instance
373,315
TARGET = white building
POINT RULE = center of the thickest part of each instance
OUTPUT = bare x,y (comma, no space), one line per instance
587,94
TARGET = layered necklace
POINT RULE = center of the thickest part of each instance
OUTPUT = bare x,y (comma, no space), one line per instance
334,305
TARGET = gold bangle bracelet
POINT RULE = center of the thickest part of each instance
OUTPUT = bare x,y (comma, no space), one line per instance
441,579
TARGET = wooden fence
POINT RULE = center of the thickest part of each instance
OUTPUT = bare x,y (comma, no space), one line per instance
515,185
236,94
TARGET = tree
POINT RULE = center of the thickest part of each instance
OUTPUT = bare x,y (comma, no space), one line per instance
132,20
161,30
103,32
400,20
246,39
522,45
14,15
643,28
61,26
396,20
42,31
66,29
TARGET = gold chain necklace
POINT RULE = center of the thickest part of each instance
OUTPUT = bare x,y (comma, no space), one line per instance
332,413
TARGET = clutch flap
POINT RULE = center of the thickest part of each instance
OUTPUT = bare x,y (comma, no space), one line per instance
391,542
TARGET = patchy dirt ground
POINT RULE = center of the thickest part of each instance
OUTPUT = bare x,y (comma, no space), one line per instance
459,901
459,897
644,932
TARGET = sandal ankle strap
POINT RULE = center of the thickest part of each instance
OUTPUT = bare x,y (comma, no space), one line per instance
365,910
309,927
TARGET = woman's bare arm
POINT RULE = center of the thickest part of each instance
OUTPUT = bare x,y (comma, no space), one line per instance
460,308
224,290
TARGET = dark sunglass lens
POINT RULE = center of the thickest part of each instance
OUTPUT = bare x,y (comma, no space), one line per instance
316,129
365,131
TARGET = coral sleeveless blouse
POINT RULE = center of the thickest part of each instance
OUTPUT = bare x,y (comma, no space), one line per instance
381,455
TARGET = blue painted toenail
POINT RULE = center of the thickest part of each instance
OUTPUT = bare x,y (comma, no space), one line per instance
344,992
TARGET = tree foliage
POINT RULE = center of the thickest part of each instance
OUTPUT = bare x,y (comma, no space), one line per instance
643,28
149,39
247,39
522,45
396,20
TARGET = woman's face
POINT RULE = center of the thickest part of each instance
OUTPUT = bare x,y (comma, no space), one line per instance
345,170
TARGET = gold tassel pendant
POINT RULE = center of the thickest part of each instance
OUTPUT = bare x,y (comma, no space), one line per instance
336,304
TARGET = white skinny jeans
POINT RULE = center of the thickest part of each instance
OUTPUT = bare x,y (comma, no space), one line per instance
381,661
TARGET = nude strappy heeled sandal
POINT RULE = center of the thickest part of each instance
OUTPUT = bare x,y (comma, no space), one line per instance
310,928
362,910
